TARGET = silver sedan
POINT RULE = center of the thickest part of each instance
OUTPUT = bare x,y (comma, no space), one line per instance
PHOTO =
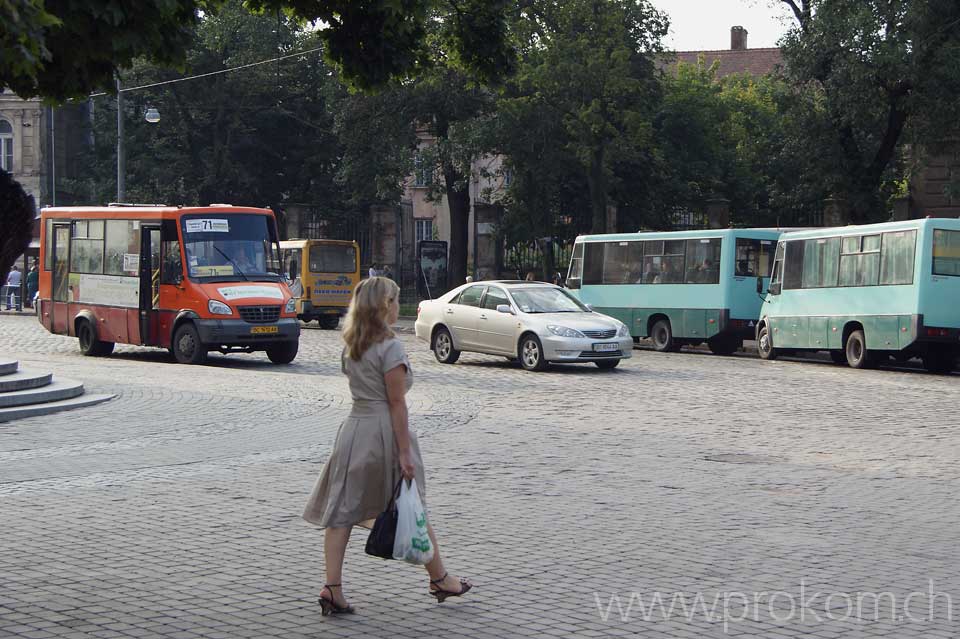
533,322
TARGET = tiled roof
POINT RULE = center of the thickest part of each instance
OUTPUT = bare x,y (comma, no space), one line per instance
752,61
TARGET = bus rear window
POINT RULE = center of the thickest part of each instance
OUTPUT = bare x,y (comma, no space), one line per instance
946,252
333,258
754,257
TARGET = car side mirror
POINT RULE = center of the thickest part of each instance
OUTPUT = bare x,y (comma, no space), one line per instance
774,289
589,307
759,284
505,308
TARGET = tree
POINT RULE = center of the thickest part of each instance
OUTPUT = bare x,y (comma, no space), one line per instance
881,72
61,49
588,64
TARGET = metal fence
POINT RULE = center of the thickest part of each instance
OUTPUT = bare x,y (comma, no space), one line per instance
525,257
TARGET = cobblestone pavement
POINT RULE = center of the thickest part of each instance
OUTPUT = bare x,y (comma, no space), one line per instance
571,498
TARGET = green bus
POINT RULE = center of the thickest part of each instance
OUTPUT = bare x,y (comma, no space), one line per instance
679,287
867,293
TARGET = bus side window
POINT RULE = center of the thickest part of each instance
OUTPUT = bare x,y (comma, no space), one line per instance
171,266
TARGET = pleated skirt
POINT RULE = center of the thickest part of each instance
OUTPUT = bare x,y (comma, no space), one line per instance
357,481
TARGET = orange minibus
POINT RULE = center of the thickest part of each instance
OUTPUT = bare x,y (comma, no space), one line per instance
188,279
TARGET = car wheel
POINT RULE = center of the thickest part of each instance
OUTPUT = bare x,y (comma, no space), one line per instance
856,349
531,353
284,352
724,345
443,348
765,344
89,344
187,347
607,363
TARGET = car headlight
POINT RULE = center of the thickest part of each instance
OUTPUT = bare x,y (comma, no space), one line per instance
218,308
624,331
291,306
563,331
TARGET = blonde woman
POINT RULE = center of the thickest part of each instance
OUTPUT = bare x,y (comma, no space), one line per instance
374,446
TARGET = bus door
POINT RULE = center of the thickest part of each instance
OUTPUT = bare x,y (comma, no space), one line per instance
60,294
149,284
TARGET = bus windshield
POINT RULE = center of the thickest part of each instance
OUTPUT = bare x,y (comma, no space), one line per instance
546,300
333,258
229,248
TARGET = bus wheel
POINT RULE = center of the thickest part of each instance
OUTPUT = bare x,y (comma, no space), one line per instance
531,353
443,348
838,357
89,344
856,348
724,345
283,353
329,322
187,347
943,361
663,337
765,344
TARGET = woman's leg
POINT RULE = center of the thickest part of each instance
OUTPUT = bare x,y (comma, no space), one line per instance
334,548
436,569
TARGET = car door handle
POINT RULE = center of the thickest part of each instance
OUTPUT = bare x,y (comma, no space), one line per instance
483,317
449,311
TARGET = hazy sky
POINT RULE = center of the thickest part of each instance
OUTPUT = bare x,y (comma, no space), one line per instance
704,25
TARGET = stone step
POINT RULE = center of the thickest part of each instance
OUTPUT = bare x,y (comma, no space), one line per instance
20,412
54,391
23,380
8,366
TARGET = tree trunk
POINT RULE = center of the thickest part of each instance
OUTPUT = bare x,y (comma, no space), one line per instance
458,201
597,184
547,259
17,211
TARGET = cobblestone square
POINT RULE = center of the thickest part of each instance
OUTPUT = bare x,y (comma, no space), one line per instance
750,498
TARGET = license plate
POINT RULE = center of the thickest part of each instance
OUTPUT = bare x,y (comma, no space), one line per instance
259,330
603,348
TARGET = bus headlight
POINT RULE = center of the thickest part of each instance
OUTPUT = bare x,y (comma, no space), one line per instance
291,306
624,331
563,331
218,308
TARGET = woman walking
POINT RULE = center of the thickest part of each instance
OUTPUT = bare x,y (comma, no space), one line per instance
374,446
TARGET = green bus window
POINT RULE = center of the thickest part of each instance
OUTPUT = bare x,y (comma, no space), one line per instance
860,261
747,261
946,252
897,257
575,272
821,259
793,265
703,261
593,263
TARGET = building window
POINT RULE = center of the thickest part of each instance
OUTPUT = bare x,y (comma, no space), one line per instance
6,146
507,177
422,171
424,230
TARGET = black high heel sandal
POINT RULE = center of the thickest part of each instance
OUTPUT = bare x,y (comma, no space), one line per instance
329,607
442,594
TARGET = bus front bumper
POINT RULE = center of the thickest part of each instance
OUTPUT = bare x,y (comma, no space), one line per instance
237,332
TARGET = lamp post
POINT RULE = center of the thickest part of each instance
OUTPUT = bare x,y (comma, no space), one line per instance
152,116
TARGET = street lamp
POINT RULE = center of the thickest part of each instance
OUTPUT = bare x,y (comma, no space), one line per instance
152,116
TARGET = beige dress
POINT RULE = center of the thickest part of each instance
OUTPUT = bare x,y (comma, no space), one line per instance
357,481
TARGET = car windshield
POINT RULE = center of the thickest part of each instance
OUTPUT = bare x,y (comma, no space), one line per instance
546,300
228,248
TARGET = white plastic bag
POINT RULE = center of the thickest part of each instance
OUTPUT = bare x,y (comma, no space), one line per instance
412,543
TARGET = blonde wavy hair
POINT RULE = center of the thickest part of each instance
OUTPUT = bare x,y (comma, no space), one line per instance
366,320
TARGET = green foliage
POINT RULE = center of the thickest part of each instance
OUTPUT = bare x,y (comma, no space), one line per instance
870,74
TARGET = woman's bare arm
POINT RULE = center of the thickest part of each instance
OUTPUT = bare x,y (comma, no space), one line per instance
396,379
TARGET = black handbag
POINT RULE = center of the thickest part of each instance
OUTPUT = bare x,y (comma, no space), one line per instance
384,531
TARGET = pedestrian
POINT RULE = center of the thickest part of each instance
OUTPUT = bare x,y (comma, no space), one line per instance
13,288
530,277
469,279
33,283
388,272
373,272
374,447
557,279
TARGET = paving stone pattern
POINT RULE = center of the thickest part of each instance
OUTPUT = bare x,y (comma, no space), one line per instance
174,510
